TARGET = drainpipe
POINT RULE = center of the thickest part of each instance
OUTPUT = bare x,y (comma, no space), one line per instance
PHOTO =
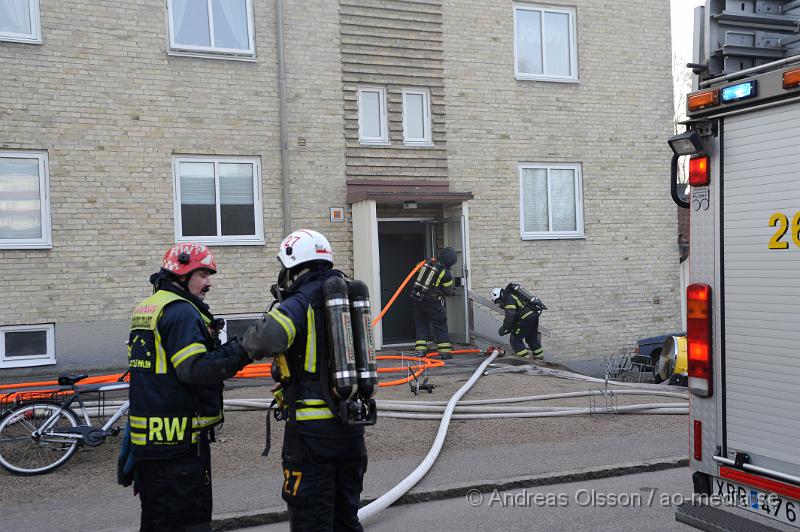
287,212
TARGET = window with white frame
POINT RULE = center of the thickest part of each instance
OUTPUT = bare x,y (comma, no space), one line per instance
24,201
372,121
236,325
218,200
19,21
417,117
211,27
545,47
27,345
551,201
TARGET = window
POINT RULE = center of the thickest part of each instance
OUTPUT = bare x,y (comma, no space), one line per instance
417,117
236,325
551,201
372,124
19,21
218,200
24,201
544,43
211,27
27,345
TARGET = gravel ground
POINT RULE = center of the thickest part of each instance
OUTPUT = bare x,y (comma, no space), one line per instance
91,472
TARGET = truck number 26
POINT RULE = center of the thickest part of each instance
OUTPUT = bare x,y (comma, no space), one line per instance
781,222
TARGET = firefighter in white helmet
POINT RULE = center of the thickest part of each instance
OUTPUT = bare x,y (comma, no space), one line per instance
522,311
324,459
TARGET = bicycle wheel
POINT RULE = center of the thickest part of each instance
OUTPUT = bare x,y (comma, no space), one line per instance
22,453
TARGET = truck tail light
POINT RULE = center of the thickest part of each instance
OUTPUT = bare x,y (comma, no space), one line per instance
698,336
698,171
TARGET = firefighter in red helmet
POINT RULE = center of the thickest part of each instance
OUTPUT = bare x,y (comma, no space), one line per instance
177,367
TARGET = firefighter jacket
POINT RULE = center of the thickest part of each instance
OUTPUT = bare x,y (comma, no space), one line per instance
297,328
432,281
177,370
515,309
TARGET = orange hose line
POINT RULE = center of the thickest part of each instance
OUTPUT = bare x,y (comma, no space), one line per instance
253,371
89,380
397,293
403,380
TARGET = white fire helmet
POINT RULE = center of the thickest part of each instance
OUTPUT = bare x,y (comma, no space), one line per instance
304,245
496,293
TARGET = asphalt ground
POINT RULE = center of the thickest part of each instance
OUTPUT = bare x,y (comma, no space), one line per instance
83,494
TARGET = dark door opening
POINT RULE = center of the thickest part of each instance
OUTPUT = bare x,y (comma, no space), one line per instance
402,246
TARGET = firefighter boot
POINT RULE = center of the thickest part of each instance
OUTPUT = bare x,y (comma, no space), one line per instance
444,349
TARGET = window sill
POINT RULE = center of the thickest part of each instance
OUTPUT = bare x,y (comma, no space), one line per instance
16,245
546,236
225,56
374,142
217,243
22,40
413,144
11,363
525,77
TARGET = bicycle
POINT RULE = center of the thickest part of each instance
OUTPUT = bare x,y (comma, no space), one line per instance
39,436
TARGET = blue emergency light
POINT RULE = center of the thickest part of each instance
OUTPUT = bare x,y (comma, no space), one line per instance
740,91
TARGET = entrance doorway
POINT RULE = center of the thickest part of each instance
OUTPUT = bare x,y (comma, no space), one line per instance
402,245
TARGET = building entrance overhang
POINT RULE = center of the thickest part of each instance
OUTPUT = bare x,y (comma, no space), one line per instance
396,191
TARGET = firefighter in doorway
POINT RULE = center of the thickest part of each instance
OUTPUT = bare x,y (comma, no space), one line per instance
522,311
432,283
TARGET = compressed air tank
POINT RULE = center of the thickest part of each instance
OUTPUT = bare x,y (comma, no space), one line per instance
344,379
524,295
362,339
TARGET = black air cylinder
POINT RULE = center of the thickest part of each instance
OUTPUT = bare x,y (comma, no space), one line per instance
362,339
523,294
340,338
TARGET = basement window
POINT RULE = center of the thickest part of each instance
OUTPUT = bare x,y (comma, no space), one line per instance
24,346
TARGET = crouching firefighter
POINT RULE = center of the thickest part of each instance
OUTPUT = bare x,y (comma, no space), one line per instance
522,311
177,367
324,362
432,283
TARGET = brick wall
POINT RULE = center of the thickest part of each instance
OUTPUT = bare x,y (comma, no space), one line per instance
102,96
614,122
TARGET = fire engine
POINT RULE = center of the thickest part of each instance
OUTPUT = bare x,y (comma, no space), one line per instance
742,141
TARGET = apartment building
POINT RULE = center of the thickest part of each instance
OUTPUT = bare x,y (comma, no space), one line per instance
528,136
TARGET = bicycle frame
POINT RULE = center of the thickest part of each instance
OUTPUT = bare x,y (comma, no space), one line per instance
121,411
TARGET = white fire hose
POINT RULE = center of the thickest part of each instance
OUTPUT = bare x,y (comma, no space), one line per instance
484,409
373,508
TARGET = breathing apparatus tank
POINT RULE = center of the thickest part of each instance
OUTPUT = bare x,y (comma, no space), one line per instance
362,339
340,337
425,280
526,297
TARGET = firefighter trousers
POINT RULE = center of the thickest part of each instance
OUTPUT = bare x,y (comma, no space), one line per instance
430,314
176,493
526,332
323,477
